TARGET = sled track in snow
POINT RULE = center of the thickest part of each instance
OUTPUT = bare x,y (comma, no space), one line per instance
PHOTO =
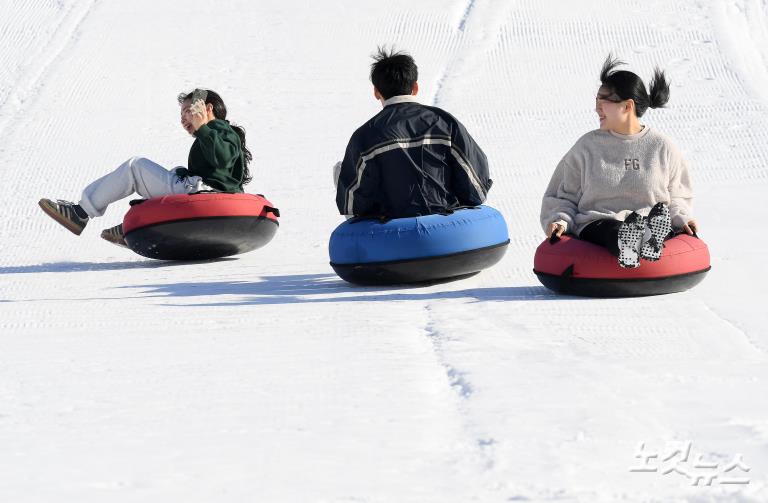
22,87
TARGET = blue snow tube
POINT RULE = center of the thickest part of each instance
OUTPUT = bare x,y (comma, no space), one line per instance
418,249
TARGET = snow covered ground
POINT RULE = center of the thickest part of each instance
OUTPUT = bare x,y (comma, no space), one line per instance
266,378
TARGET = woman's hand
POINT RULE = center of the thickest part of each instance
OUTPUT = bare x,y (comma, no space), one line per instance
691,227
556,229
198,114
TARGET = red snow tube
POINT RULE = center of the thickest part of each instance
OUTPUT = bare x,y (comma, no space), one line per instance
576,267
199,226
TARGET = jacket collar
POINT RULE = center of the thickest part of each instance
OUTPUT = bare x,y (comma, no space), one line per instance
403,98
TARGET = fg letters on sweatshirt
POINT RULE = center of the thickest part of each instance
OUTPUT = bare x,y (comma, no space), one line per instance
609,175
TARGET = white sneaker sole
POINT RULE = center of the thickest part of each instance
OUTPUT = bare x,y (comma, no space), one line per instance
660,226
630,240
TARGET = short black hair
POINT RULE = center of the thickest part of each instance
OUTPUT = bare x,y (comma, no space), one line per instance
393,73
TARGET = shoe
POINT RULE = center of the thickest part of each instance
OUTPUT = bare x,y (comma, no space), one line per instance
115,235
660,225
64,213
630,240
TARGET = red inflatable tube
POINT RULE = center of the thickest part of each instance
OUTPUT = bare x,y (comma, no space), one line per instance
204,205
580,268
199,226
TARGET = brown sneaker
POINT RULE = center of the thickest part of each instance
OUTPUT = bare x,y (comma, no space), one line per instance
115,235
64,213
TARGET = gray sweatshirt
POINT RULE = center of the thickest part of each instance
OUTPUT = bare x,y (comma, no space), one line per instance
609,175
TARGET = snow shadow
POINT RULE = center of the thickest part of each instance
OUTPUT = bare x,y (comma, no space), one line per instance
97,266
328,288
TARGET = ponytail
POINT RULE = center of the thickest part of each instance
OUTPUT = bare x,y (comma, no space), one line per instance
247,156
659,91
628,86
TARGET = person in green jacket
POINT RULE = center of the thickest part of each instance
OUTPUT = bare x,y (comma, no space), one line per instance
218,161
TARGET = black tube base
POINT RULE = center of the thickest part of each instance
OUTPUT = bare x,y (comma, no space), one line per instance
425,270
201,238
606,288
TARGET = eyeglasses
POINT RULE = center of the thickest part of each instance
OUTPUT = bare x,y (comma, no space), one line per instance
611,98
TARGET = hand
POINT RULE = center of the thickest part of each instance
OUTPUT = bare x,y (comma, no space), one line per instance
691,227
556,229
198,114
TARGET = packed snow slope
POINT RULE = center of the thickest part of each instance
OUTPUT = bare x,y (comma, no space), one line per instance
265,377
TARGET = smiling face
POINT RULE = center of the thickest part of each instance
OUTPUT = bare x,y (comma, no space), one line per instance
611,109
186,117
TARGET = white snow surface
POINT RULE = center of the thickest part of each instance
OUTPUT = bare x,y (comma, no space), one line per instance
267,378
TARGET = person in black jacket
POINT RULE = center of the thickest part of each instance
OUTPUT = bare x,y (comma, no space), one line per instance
218,161
409,159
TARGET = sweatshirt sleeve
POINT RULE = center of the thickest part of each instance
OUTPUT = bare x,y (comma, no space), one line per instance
471,177
680,190
357,183
561,199
219,146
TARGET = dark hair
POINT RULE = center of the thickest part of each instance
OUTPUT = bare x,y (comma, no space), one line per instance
220,112
628,86
393,73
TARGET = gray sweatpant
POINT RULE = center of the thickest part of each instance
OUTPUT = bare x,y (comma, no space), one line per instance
136,175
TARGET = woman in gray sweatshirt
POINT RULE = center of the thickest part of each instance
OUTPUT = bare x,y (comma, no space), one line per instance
624,186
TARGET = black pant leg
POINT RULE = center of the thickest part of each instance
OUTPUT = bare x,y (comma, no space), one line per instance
604,233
